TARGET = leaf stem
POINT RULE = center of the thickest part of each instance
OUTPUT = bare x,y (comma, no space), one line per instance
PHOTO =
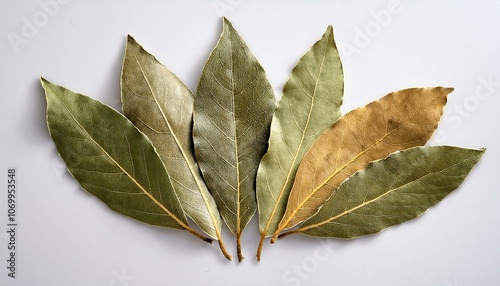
261,244
287,234
204,238
223,249
238,248
273,239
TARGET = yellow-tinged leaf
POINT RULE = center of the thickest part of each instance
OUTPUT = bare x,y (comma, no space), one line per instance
398,121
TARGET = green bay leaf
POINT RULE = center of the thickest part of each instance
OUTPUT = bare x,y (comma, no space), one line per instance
233,108
112,159
391,191
161,106
309,105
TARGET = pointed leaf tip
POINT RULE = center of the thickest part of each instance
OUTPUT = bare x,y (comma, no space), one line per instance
44,81
226,22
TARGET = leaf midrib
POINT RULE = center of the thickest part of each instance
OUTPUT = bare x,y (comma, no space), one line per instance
236,155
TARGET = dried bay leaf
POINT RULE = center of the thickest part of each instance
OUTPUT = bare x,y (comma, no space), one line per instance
112,159
398,121
309,105
232,114
161,106
391,191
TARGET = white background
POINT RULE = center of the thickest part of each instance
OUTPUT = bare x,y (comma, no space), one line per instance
68,237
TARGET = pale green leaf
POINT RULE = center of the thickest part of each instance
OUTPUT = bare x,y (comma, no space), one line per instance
232,113
161,106
112,159
309,105
391,191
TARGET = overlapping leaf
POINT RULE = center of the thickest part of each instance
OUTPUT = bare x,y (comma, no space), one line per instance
161,106
309,105
398,121
232,113
112,159
391,191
